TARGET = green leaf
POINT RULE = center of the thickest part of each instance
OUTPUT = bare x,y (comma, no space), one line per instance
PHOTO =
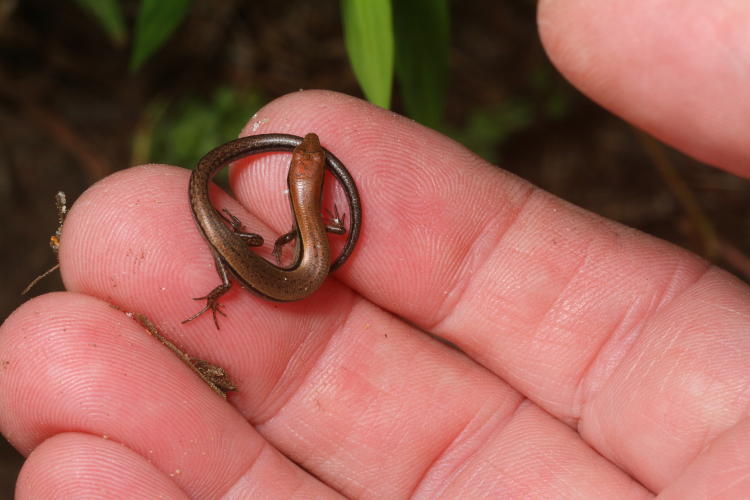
109,15
422,41
182,131
368,34
156,21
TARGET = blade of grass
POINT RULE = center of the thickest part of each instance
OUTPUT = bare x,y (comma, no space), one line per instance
368,34
422,30
156,21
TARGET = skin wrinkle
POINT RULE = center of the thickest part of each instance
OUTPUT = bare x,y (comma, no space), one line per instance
672,292
459,467
636,364
274,395
291,430
580,394
574,273
435,325
345,480
534,330
253,462
629,339
341,445
608,443
279,402
637,329
419,480
509,479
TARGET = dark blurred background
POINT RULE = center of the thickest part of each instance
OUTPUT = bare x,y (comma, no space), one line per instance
71,112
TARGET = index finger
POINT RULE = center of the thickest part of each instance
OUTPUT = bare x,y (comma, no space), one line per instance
594,321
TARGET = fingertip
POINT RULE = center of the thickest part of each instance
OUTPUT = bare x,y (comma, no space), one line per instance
77,465
672,71
130,239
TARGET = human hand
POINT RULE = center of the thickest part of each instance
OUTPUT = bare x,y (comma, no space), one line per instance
597,361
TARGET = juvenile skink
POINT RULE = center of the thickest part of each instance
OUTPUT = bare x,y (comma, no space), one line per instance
230,246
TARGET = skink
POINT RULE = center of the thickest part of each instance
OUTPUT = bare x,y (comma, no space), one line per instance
230,247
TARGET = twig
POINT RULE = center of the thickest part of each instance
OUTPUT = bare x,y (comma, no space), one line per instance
213,375
681,191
